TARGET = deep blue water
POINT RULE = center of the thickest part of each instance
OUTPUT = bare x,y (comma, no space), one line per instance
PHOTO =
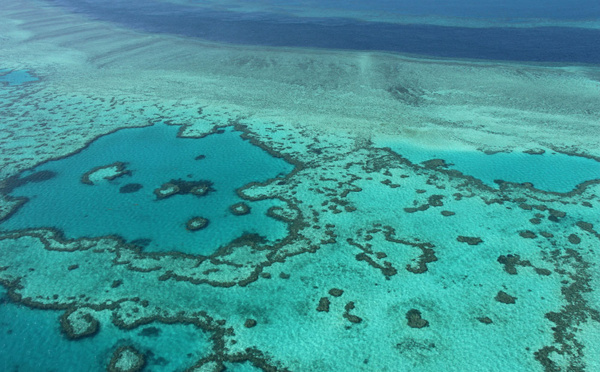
554,9
154,156
541,44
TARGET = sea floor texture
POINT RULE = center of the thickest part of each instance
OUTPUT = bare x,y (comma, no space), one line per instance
253,186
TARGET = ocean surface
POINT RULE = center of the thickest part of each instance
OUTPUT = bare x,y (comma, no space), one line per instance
314,185
540,44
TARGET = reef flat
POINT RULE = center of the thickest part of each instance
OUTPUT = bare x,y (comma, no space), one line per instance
385,263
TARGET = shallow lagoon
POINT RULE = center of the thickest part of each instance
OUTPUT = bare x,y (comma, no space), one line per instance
17,77
154,156
549,171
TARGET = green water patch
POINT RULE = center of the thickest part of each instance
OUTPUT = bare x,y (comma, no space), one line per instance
16,77
153,188
545,170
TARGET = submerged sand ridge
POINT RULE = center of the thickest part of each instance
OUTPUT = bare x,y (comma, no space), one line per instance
387,264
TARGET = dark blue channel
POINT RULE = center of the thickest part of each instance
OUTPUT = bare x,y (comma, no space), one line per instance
539,44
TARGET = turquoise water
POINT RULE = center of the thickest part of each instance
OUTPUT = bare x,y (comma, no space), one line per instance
154,156
174,347
382,265
17,77
550,171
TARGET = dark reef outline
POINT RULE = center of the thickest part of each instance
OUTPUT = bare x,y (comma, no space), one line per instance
541,355
207,323
121,171
252,355
112,365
